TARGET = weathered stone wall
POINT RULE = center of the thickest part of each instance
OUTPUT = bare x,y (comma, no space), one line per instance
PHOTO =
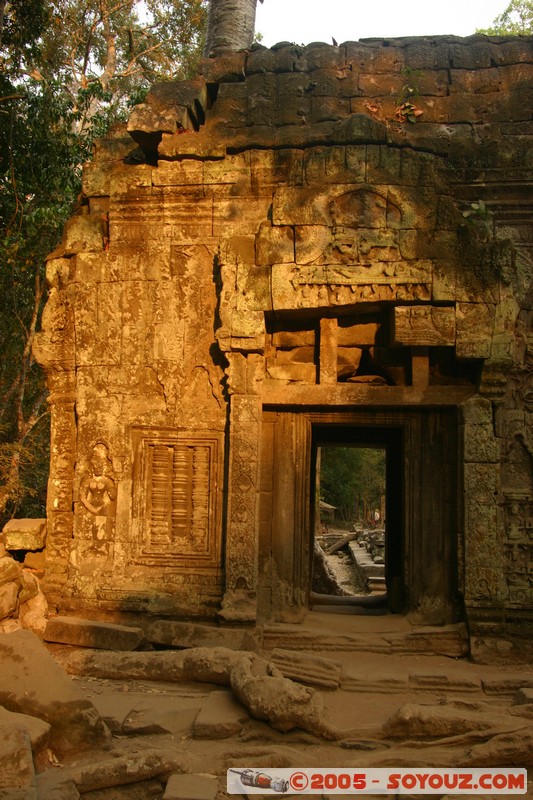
285,236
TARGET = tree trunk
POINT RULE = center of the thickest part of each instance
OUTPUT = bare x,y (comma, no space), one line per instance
230,26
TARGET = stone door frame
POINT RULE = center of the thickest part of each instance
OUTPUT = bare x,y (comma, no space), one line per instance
427,584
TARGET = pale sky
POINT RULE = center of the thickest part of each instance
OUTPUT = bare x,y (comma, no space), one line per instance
305,21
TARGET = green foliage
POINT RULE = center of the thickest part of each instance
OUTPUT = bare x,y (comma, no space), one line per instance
517,19
68,69
352,479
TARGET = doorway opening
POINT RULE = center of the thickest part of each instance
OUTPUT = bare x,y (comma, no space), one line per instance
356,519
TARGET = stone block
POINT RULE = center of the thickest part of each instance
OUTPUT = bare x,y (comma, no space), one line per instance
472,56
291,372
326,109
475,82
30,586
187,172
25,534
139,764
220,717
36,561
271,168
9,593
475,323
37,730
83,233
306,668
191,787
239,215
92,633
274,245
424,326
524,696
189,634
16,761
33,683
10,571
33,613
225,68
53,784
420,55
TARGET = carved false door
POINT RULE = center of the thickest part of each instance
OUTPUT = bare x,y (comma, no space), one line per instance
285,534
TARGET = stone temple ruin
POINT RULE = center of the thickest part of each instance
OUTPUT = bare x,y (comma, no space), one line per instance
274,257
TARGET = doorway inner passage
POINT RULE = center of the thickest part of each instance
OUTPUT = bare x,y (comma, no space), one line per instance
357,518
350,522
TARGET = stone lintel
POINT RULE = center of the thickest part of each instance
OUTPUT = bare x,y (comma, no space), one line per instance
279,393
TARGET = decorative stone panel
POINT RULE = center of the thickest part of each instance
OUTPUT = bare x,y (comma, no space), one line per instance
176,480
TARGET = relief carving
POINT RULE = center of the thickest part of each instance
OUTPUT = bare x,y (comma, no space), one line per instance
97,487
424,326
316,286
98,493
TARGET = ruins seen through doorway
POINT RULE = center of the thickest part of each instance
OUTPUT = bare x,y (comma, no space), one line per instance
350,523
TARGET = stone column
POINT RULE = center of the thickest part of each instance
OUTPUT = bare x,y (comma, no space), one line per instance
59,505
483,582
240,602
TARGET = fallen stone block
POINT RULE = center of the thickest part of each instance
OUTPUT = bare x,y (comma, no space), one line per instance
25,534
38,731
513,749
178,719
9,599
33,683
92,633
124,769
308,669
190,634
30,587
285,705
422,682
524,696
9,625
36,561
141,713
148,666
143,790
10,571
507,684
33,613
53,784
191,787
259,686
220,717
413,721
16,759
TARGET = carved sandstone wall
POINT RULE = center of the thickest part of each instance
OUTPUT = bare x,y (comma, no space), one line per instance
283,236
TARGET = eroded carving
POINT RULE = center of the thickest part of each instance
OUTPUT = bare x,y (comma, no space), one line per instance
98,489
424,326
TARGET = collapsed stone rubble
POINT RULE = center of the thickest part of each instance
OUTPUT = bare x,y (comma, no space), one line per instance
137,722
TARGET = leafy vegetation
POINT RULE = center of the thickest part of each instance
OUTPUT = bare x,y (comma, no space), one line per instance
353,480
68,69
517,18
